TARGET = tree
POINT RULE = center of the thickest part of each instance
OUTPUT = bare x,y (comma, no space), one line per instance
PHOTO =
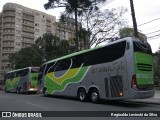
46,48
157,67
101,25
26,57
129,32
74,6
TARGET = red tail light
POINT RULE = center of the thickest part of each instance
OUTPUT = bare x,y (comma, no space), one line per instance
134,82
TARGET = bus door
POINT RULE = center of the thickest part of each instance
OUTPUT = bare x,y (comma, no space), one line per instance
129,68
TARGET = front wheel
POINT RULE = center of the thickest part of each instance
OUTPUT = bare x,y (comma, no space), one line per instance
94,96
45,92
17,91
20,90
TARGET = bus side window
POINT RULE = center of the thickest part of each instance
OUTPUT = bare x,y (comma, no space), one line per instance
127,46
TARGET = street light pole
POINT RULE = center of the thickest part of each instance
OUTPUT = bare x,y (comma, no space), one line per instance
134,19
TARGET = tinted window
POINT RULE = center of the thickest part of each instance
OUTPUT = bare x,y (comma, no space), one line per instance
63,64
142,47
24,72
77,61
116,51
105,54
98,56
50,67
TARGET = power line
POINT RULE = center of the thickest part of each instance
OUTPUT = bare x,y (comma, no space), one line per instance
152,32
148,22
151,28
153,36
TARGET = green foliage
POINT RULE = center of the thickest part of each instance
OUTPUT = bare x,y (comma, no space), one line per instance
76,7
71,5
46,48
129,32
157,65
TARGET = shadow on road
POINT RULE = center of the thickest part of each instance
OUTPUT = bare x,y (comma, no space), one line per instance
127,104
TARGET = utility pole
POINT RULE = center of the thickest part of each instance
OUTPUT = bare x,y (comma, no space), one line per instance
76,26
134,19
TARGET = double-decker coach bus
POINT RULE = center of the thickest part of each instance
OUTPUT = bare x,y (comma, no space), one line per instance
120,70
22,80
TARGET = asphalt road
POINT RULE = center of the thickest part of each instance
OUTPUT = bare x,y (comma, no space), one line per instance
37,102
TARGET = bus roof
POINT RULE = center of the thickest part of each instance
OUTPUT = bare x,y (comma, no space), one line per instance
20,69
87,50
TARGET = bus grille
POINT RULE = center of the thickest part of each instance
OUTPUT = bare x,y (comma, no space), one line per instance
116,86
144,67
146,87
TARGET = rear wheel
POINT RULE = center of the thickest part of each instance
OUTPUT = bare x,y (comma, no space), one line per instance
82,95
94,96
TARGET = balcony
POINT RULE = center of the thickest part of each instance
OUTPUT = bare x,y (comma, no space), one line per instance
8,45
27,36
9,26
27,18
8,39
8,9
28,30
28,42
9,21
8,33
28,24
7,51
28,13
9,14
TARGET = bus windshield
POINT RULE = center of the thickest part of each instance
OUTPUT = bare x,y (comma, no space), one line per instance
143,47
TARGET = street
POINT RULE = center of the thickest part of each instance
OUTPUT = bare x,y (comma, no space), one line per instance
37,102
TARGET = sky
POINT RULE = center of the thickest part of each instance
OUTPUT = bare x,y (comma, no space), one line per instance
145,11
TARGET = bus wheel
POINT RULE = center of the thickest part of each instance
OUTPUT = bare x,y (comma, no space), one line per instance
94,96
17,90
20,90
82,95
45,92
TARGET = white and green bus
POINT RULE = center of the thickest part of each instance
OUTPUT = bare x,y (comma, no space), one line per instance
22,80
120,70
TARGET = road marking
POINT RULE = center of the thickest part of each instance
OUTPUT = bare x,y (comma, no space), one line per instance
36,105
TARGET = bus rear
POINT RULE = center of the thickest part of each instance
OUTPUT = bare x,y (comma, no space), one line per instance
142,79
33,80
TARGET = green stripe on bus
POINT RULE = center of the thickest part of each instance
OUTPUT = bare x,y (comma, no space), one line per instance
53,86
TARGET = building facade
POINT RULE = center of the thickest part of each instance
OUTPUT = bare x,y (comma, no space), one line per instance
20,27
66,31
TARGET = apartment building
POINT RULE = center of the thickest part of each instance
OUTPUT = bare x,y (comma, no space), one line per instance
66,30
20,27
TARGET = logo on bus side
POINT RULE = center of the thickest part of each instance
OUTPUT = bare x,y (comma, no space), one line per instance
109,68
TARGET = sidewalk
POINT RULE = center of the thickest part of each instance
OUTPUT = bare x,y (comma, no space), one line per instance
154,100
